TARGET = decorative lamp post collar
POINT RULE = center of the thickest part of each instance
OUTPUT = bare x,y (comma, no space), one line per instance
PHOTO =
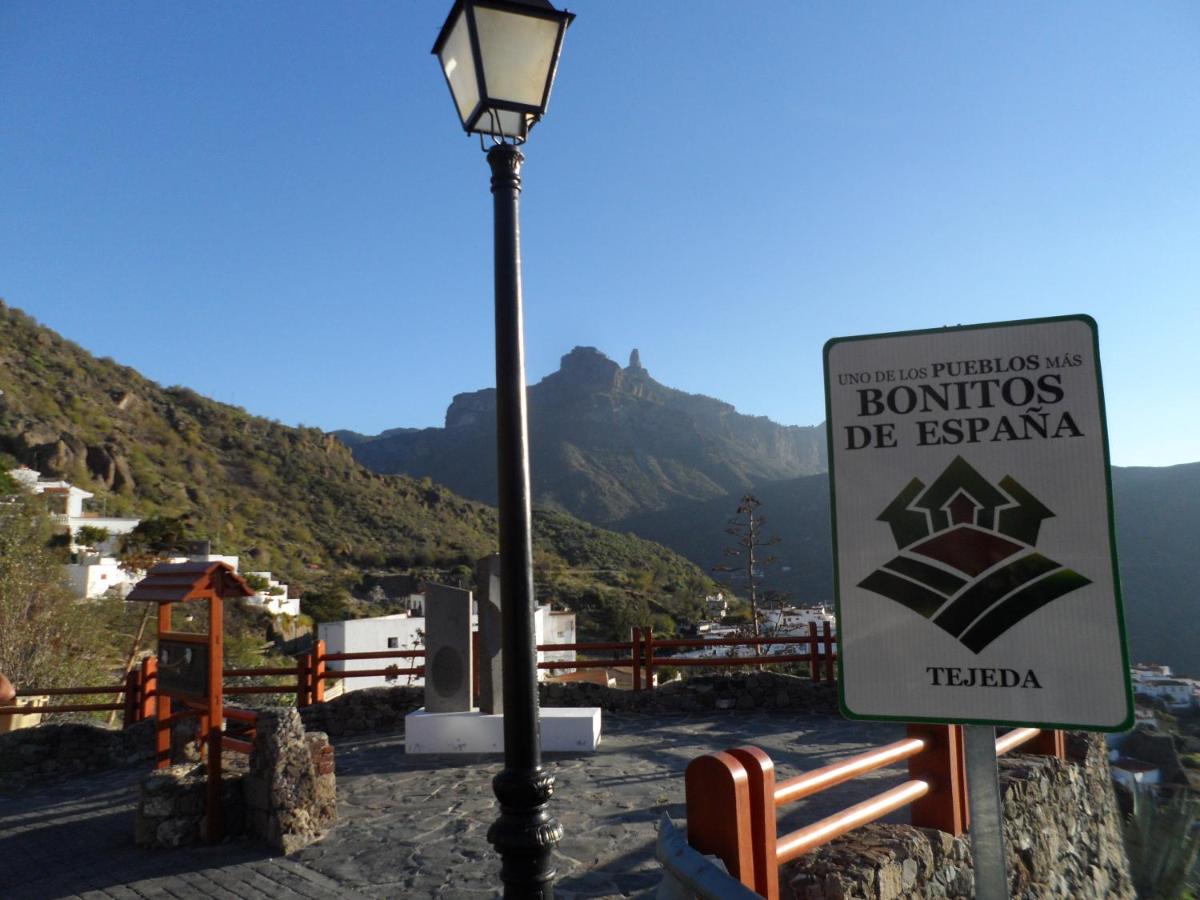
499,58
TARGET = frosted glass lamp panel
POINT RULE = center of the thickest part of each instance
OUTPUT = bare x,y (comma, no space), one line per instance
503,122
517,53
459,65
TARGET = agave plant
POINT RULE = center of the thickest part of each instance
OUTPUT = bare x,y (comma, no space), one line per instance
1162,841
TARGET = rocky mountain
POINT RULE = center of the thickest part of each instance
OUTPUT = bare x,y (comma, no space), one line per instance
292,499
1158,541
606,443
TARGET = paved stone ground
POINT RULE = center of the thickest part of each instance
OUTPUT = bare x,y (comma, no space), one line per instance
415,826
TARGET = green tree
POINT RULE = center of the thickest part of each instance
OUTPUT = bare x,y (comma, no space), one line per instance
91,537
8,484
256,582
330,605
42,639
161,535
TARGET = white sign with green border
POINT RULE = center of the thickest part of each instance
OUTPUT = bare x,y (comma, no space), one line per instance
975,556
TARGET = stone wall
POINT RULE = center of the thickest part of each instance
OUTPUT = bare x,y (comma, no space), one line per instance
285,793
171,806
290,790
64,749
366,710
748,692
1062,835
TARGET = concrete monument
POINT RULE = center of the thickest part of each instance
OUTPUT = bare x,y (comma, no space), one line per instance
448,676
491,680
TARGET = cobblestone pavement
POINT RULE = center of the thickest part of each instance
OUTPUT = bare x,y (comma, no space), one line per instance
415,826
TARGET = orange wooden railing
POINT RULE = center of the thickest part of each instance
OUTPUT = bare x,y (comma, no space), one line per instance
247,717
118,689
821,654
316,671
732,797
307,679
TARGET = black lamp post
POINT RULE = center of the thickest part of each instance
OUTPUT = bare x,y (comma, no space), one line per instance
499,58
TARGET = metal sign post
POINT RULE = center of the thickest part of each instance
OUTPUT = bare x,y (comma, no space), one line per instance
987,814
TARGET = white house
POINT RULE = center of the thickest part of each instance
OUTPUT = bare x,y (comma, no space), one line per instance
95,576
65,505
1156,681
716,606
401,631
795,621
1134,773
1149,671
554,627
274,598
1146,718
95,572
398,631
1175,692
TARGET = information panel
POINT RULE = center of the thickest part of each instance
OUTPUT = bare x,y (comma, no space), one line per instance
976,570
183,669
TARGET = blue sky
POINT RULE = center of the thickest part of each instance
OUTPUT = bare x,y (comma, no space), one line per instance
272,203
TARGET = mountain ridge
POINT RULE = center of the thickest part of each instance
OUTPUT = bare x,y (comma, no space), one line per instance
606,442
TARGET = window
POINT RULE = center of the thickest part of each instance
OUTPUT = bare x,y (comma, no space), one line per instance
394,643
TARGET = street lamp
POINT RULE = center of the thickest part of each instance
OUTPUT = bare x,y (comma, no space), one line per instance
499,58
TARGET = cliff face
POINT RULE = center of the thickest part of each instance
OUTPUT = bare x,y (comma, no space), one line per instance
606,443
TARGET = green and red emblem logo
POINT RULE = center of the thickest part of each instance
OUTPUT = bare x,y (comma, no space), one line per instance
967,559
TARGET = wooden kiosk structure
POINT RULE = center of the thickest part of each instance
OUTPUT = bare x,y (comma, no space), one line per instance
189,665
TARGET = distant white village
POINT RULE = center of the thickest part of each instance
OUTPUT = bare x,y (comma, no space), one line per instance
96,572
1136,759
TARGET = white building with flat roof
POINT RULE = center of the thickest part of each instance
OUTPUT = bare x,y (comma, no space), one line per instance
64,502
401,631
95,576
274,597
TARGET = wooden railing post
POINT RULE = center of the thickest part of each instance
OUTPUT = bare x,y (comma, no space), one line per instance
717,792
828,632
814,652
132,688
635,649
147,687
942,766
648,643
1048,743
303,680
760,779
318,672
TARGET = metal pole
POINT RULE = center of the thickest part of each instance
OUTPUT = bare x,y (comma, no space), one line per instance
987,814
525,834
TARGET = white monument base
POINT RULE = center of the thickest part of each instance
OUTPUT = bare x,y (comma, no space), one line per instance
564,730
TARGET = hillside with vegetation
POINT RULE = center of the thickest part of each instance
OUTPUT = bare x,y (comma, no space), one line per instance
292,500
